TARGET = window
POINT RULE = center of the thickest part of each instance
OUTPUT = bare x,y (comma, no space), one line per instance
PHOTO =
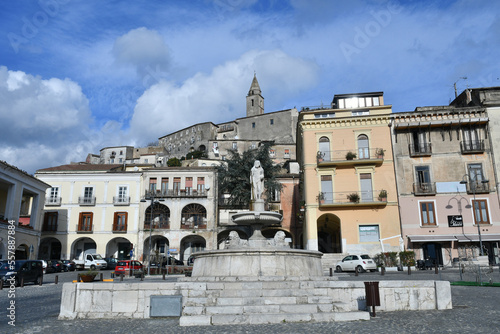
88,192
50,222
112,160
194,216
475,175
271,121
177,185
325,115
253,125
481,211
200,187
324,148
363,147
369,233
122,191
423,176
164,185
152,184
427,213
189,185
376,101
235,145
326,188
287,153
420,142
275,195
120,222
365,180
53,197
85,222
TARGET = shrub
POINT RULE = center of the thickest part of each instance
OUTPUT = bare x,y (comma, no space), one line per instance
407,258
388,259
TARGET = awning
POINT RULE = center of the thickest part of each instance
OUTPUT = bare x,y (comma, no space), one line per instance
430,238
475,237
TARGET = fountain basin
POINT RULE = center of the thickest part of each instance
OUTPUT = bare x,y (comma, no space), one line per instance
258,262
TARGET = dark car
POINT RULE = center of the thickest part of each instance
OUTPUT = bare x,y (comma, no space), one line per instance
69,265
172,261
111,262
55,265
126,267
27,270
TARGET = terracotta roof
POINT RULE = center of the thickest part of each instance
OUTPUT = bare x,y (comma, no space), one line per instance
81,167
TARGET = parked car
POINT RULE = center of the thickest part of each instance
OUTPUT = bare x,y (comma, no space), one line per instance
69,265
111,261
125,267
28,270
56,266
172,261
362,262
190,260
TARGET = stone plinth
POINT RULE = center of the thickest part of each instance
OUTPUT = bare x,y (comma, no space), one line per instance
258,262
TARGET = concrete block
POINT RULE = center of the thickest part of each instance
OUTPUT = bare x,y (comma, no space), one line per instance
223,310
68,297
125,301
443,295
304,308
279,300
262,309
102,301
193,310
230,319
195,320
230,301
351,316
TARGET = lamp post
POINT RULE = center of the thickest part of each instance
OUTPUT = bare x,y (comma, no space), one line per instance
152,198
473,187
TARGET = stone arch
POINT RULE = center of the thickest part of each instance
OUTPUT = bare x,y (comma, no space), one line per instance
191,244
194,216
329,233
160,246
81,246
119,248
158,215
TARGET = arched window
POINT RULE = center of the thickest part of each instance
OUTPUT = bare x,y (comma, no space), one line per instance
194,216
363,147
157,217
324,148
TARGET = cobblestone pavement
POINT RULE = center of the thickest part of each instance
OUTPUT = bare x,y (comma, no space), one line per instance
475,310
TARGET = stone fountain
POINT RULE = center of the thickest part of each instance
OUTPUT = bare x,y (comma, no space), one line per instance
257,256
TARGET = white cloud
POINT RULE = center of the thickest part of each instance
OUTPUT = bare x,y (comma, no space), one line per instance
46,122
219,96
143,49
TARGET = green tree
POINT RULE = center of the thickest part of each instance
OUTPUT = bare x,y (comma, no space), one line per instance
196,155
234,176
173,162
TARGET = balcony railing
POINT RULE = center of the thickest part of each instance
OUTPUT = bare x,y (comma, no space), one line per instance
472,146
424,188
162,225
120,228
374,197
84,228
354,156
86,200
420,150
478,187
121,200
53,201
176,193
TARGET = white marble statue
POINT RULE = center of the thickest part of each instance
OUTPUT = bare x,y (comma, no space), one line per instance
257,180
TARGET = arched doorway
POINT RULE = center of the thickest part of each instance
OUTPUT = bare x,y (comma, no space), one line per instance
119,248
194,216
432,251
82,246
22,252
50,249
159,249
329,234
191,244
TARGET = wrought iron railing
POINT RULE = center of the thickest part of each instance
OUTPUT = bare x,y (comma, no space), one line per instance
352,197
424,188
417,150
354,154
472,146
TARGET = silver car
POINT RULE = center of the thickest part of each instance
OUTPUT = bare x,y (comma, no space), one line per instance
363,262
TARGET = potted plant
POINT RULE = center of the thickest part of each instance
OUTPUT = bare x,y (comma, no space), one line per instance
88,276
382,195
380,153
350,155
354,197
321,197
319,156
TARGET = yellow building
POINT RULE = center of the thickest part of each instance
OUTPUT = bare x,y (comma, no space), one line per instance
348,175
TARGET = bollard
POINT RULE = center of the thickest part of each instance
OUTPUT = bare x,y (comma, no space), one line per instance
331,272
436,269
112,274
101,277
356,272
372,294
409,270
22,282
121,277
1,284
163,275
382,270
40,282
142,276
78,278
56,280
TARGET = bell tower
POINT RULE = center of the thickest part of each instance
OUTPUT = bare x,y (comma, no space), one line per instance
255,101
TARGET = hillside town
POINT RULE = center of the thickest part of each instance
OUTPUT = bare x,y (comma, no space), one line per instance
356,178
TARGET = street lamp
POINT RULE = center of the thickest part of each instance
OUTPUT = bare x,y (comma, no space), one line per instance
152,198
473,187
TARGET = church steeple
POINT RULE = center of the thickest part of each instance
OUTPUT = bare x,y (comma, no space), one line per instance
255,101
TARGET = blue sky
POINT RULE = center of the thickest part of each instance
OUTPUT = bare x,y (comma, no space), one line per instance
77,76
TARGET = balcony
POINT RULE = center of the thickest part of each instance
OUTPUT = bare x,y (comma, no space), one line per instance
53,201
86,200
121,200
420,150
478,187
160,225
119,228
339,158
353,198
175,193
424,188
472,146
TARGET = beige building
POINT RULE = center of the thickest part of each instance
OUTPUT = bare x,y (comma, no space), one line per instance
21,212
348,176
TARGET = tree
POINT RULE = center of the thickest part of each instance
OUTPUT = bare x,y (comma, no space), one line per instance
234,176
173,162
196,155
